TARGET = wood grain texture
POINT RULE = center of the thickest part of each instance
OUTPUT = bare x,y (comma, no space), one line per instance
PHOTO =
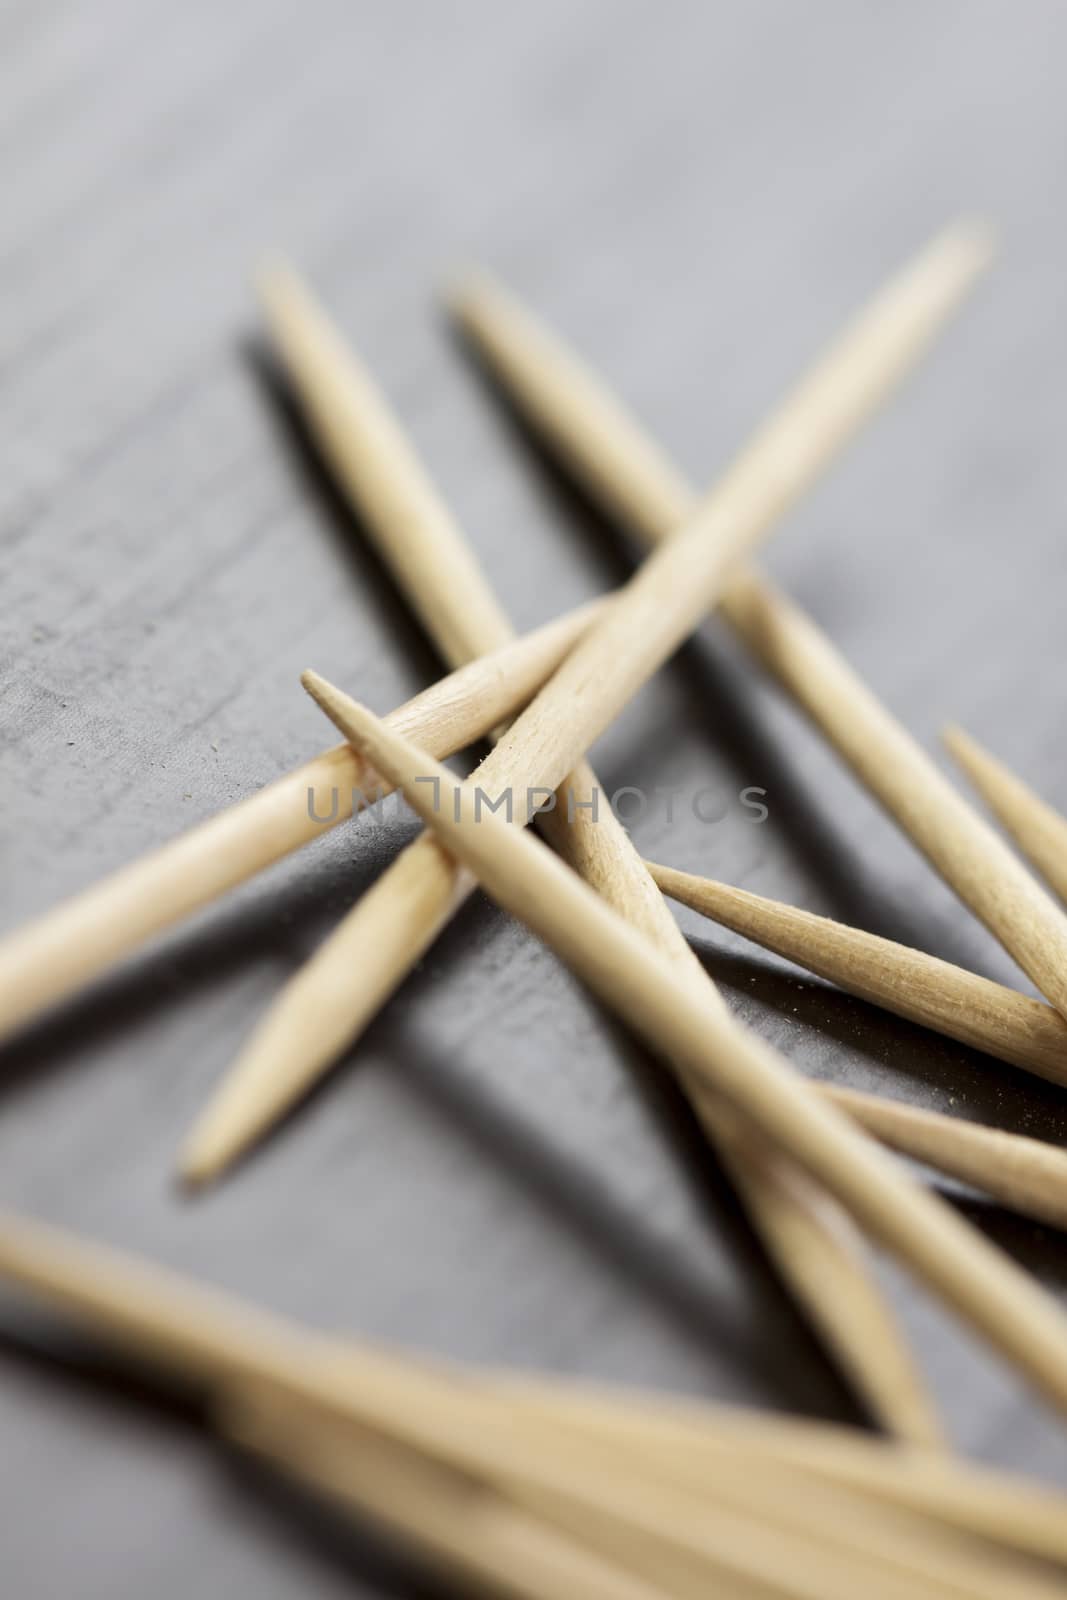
696,207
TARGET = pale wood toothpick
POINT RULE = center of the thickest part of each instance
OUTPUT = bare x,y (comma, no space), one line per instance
673,1014
818,1252
52,957
678,1436
772,1533
1023,1173
1038,829
680,1447
684,1546
478,1470
432,1483
465,1533
975,1010
355,971
382,476
624,470
417,1460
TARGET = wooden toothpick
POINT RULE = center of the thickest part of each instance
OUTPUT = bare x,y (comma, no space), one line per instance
1023,1173
54,956
380,473
978,1012
1026,1174
674,1016
408,1426
819,1255
595,1493
1037,828
411,1452
685,1546
689,1441
616,462
466,1531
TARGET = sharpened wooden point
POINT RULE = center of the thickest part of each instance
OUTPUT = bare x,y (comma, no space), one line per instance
326,695
981,1283
988,1016
612,455
1038,828
953,259
1025,1174
221,1135
375,465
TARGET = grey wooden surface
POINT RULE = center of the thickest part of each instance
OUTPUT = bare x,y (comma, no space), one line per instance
696,194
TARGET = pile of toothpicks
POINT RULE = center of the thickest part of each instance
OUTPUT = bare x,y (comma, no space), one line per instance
516,1485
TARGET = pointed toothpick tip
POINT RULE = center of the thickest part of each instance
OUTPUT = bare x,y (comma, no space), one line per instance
965,751
953,736
960,253
344,712
201,1162
322,691
236,1118
976,237
190,1181
468,289
248,1104
271,273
